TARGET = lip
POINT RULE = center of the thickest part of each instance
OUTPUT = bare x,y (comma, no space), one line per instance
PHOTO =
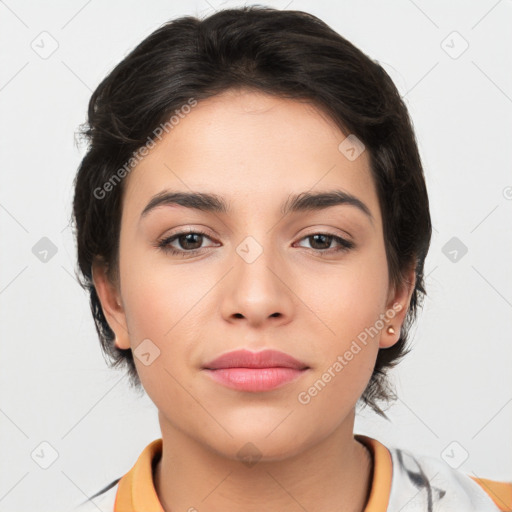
247,359
244,370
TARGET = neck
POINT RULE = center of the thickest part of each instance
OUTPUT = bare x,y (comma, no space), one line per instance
335,474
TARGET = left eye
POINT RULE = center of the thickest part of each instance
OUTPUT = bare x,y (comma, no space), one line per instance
325,240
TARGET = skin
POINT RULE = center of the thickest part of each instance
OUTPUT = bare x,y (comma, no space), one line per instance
254,150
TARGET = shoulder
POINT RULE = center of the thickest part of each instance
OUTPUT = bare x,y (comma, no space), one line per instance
423,482
500,492
102,501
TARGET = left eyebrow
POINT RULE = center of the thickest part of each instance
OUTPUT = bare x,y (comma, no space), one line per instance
305,201
308,201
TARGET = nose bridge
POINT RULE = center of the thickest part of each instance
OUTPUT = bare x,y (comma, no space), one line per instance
257,290
255,257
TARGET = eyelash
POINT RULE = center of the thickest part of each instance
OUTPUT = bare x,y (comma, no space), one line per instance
163,244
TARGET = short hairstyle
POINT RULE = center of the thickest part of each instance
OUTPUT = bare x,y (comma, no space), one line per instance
288,54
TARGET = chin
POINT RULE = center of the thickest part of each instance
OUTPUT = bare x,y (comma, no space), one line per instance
260,445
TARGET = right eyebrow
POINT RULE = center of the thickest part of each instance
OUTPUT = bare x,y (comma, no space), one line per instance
196,200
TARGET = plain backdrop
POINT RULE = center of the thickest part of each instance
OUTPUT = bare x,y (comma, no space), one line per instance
69,425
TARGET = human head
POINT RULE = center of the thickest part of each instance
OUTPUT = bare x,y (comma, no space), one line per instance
287,54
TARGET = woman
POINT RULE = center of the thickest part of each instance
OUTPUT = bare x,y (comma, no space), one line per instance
252,224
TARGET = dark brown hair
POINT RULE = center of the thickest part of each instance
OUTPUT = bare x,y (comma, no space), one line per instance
289,54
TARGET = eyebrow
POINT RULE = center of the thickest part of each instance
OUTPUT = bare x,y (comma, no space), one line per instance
305,201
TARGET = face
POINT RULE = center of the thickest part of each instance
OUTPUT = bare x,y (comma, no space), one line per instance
311,282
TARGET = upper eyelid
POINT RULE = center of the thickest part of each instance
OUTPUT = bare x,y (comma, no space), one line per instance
176,235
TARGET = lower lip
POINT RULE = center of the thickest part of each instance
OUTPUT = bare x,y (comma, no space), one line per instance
255,379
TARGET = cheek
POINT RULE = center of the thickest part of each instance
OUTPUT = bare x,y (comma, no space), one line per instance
347,351
349,298
157,294
166,303
157,311
349,301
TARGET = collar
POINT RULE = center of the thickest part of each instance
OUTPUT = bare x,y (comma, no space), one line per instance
136,490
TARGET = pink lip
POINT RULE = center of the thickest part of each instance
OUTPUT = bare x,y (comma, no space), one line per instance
255,371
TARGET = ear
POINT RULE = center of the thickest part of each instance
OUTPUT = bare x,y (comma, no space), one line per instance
399,299
110,299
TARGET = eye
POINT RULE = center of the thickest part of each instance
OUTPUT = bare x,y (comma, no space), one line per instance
189,242
321,243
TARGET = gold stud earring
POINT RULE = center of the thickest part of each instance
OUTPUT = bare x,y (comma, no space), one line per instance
390,330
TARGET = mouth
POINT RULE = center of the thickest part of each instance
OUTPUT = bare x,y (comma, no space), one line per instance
255,379
244,370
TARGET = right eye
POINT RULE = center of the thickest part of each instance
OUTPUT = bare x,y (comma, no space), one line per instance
185,239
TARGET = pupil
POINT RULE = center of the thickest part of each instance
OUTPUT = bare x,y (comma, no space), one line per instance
187,240
315,238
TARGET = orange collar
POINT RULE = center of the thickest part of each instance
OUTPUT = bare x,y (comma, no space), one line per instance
136,490
382,474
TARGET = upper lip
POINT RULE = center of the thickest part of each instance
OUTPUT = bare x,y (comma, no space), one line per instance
247,359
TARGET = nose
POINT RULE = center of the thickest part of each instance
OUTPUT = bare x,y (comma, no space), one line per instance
258,289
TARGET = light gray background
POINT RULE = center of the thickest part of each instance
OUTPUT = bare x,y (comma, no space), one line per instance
456,385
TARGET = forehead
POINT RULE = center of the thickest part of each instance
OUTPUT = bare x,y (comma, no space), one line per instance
253,149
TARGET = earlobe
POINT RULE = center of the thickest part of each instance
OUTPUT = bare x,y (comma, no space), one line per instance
110,300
